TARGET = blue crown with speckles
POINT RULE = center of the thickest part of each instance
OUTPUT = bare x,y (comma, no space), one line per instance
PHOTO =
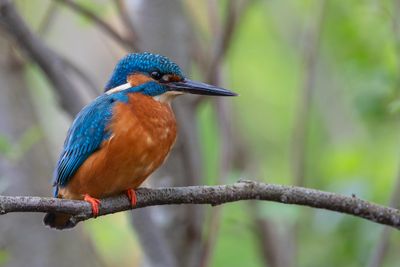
141,62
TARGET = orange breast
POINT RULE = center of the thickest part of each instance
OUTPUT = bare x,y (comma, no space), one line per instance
143,132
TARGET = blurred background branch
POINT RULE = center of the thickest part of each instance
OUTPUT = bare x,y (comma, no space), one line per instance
129,44
304,106
223,38
381,247
51,63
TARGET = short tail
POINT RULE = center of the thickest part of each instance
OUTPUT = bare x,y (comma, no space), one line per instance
58,221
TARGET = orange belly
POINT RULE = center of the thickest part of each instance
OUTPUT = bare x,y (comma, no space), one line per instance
143,132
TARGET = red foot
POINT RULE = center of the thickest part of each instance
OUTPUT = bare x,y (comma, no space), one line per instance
132,197
94,202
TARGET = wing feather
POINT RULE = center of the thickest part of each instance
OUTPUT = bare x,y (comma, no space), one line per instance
85,136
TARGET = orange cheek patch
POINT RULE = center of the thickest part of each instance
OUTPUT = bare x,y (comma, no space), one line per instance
138,79
174,78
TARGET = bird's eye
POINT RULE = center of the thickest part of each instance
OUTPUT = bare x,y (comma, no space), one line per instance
155,75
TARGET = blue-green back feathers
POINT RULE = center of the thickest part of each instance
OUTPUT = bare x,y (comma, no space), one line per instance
84,137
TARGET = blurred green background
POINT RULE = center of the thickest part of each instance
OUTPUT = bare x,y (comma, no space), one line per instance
349,50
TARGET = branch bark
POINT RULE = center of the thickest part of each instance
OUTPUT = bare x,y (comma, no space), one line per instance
213,195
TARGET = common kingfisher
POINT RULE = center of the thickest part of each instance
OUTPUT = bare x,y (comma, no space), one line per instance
124,135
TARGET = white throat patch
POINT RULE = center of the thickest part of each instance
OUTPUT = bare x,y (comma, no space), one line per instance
167,97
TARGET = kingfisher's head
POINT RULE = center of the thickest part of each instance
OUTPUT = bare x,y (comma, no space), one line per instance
156,76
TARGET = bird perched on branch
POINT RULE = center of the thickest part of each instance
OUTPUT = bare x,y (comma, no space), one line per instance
124,135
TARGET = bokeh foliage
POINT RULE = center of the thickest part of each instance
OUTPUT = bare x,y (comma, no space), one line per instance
358,153
352,143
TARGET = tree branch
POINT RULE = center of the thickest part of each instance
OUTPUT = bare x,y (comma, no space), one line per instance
214,195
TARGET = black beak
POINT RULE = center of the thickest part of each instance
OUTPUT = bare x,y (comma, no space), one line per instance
192,87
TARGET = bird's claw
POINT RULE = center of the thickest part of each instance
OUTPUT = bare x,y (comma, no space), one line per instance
131,194
94,202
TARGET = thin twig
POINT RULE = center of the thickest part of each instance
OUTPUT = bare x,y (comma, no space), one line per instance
47,19
213,195
125,17
234,14
108,29
222,43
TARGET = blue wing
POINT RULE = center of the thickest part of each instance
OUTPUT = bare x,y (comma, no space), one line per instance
85,136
